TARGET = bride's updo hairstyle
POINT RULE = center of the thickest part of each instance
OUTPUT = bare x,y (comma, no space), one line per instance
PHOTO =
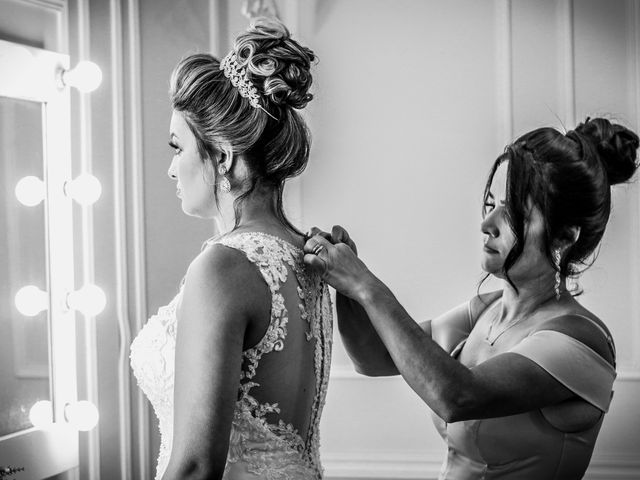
568,177
273,137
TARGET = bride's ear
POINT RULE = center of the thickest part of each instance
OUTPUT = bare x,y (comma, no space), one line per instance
226,158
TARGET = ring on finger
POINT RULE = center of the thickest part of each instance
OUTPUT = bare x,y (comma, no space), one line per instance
318,248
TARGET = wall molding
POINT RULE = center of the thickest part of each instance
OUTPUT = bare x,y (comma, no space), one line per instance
217,31
426,466
120,234
634,18
504,72
613,467
57,5
382,465
138,226
89,343
291,14
341,373
566,68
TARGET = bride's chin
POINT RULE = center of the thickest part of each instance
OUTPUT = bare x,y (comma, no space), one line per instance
203,213
492,269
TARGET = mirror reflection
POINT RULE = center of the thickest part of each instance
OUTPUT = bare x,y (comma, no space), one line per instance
24,352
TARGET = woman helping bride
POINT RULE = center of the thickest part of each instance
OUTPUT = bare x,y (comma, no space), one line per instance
236,366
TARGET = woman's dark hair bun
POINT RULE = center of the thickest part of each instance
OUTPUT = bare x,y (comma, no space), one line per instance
616,146
276,64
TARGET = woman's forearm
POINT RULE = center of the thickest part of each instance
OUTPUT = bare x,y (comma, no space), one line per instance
443,383
362,342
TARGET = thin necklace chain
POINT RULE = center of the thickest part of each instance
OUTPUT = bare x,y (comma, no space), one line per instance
510,325
493,321
491,342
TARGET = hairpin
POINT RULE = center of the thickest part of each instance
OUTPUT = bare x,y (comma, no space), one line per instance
240,80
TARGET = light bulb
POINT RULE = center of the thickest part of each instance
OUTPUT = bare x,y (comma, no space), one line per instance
30,301
30,191
83,415
86,76
89,300
84,189
40,414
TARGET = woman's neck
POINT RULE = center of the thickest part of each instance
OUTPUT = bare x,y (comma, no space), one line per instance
531,295
256,211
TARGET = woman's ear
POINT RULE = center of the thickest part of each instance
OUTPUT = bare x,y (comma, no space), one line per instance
226,159
574,234
569,237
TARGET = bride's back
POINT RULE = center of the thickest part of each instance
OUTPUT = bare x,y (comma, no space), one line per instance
284,373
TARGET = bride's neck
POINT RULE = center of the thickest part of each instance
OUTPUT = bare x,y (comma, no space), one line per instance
259,208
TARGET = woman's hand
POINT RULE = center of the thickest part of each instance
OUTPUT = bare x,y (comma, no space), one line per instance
338,235
338,263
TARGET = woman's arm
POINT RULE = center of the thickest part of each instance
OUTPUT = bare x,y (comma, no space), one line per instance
218,302
503,385
363,344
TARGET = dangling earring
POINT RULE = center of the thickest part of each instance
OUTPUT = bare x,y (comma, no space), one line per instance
225,185
556,262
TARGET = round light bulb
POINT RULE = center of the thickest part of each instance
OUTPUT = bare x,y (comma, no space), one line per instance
83,415
89,300
30,191
30,300
41,414
84,189
86,76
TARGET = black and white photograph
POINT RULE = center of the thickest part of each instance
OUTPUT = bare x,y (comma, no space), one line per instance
319,239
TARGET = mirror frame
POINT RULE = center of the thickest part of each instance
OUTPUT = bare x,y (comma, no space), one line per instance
33,74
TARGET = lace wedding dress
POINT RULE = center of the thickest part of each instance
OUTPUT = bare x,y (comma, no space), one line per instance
283,381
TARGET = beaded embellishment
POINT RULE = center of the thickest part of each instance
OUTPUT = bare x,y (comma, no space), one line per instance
260,440
241,81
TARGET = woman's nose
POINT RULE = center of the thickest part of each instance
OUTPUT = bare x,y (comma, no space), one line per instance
488,225
172,171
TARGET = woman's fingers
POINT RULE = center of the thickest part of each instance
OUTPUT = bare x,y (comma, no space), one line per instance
316,244
316,231
340,235
316,251
316,263
337,264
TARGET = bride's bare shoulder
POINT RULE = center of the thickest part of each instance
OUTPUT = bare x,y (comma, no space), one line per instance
223,278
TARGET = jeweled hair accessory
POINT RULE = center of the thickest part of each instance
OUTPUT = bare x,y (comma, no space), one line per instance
240,80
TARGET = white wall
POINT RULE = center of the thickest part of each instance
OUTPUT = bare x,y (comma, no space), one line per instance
414,101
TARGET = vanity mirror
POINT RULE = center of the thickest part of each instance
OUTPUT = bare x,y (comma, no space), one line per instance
37,328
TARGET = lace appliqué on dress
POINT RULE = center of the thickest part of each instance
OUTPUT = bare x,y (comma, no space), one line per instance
272,258
273,451
152,362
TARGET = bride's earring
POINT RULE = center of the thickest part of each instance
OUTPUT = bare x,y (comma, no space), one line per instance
225,185
556,262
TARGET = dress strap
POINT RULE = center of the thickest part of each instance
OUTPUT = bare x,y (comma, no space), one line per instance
451,329
572,363
481,303
270,254
605,332
272,257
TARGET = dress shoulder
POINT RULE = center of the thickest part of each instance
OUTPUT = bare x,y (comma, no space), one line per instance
270,254
453,327
572,363
481,302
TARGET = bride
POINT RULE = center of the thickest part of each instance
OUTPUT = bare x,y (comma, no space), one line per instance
236,366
